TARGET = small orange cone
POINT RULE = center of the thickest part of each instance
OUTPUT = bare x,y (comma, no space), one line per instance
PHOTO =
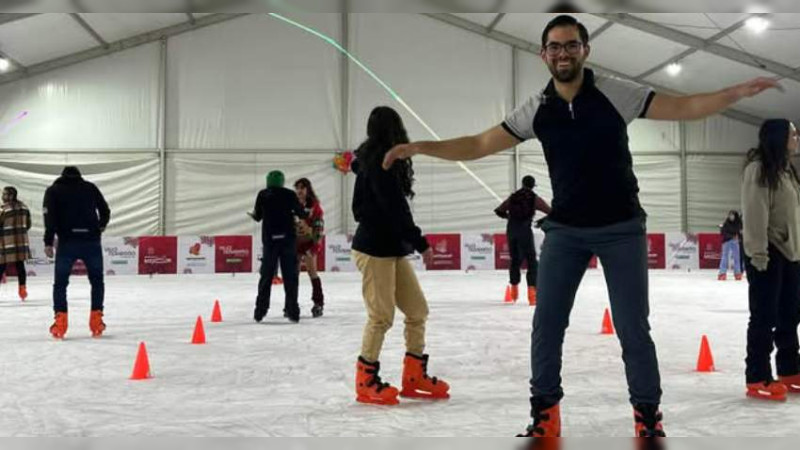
509,296
705,362
216,315
608,326
141,368
199,336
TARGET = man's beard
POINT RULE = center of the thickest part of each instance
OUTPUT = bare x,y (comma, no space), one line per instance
567,75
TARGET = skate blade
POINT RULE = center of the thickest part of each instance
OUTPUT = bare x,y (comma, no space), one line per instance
423,395
377,401
771,398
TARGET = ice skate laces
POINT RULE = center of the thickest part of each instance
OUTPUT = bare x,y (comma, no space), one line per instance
535,428
650,418
434,380
375,379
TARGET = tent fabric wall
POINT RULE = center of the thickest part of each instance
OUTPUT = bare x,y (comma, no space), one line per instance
255,83
448,199
210,194
108,103
457,82
714,189
129,182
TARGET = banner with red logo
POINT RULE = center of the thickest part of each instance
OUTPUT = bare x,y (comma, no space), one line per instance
502,252
710,250
338,253
39,265
682,252
196,254
234,254
121,255
477,252
158,255
446,251
657,251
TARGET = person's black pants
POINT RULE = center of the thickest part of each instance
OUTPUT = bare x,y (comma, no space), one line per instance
774,317
279,252
523,248
22,275
91,253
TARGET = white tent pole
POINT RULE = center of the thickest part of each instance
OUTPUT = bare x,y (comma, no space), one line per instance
162,138
345,112
684,143
514,91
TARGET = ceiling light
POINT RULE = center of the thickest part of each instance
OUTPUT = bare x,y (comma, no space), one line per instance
674,69
4,64
757,24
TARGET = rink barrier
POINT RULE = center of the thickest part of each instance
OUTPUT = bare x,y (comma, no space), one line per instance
232,254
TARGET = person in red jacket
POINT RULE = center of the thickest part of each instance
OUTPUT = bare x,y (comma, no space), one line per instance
309,234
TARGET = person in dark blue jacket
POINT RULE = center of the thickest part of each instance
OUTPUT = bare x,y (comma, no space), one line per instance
76,212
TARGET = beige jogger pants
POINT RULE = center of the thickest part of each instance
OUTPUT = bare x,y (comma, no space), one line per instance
386,283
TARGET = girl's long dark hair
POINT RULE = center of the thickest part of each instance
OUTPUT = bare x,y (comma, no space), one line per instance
772,152
311,196
385,129
737,218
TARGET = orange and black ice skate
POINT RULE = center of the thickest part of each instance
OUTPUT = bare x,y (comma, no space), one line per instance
369,387
96,324
532,296
769,390
417,383
23,293
546,423
59,327
792,383
647,421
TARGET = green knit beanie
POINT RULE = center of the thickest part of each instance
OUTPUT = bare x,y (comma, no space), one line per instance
275,179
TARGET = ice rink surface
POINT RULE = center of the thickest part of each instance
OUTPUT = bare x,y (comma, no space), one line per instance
277,379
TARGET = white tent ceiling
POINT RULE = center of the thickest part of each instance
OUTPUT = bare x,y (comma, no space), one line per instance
715,49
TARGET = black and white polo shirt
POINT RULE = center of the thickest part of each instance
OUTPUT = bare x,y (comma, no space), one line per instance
586,147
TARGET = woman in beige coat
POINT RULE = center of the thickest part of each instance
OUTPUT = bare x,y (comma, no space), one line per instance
771,206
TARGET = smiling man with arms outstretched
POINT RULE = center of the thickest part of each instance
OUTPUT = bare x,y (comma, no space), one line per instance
581,119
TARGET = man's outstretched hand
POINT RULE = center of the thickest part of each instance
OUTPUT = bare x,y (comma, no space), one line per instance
402,151
756,86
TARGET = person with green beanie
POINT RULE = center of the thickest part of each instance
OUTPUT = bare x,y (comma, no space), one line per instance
277,209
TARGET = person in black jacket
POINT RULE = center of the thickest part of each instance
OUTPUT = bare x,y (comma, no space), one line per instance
386,235
731,231
519,209
76,212
277,208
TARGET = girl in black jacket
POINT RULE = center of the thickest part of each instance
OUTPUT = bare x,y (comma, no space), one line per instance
386,235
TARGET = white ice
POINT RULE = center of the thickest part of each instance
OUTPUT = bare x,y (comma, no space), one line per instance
276,379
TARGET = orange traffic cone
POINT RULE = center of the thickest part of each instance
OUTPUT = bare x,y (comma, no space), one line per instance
608,326
705,362
141,368
509,296
199,336
216,315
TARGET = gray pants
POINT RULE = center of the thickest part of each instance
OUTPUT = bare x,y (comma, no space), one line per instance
566,252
